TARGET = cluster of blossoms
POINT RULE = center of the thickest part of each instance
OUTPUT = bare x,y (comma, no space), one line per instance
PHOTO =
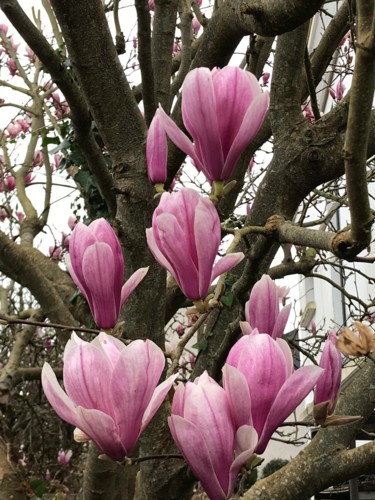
112,389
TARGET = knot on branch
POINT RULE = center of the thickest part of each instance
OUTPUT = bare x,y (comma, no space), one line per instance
347,246
273,224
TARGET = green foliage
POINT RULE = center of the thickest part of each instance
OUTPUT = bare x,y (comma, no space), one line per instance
273,466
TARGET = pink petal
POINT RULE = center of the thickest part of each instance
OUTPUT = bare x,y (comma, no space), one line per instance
87,375
292,393
245,328
157,399
263,363
57,398
177,136
191,443
250,126
328,386
262,308
99,270
207,236
199,110
134,380
156,151
110,346
246,442
226,263
157,254
281,321
234,93
237,390
103,431
132,283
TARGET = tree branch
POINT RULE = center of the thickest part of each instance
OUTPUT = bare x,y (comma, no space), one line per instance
357,134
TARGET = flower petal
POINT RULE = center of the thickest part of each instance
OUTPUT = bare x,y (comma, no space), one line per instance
237,390
87,375
134,380
99,270
226,263
190,440
132,283
291,394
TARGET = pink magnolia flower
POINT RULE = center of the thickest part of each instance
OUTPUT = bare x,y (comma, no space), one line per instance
63,457
12,67
20,216
38,158
328,386
111,390
185,238
265,78
13,129
156,151
262,310
56,161
203,428
135,42
340,89
55,252
3,214
262,387
10,183
231,101
23,124
30,54
96,265
308,112
4,28
151,4
195,25
29,178
180,330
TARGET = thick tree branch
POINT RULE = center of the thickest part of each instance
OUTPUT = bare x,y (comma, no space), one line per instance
101,76
357,134
145,59
162,47
286,81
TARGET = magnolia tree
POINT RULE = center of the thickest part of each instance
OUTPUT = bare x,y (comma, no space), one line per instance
192,167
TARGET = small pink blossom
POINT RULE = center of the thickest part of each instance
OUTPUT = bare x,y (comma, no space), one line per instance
38,158
23,124
12,67
3,214
29,178
265,77
13,130
4,28
63,457
10,183
180,330
195,25
135,41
